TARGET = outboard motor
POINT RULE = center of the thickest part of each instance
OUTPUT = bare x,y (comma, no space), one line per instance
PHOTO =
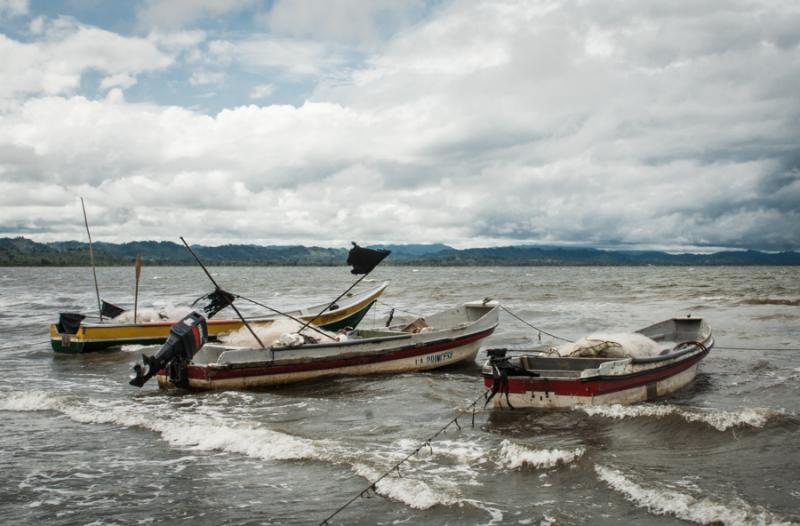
185,338
501,369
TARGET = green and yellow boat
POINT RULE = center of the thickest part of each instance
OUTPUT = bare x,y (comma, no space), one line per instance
81,336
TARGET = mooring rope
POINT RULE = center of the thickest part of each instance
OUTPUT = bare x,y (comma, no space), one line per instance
756,348
399,310
396,468
536,328
720,347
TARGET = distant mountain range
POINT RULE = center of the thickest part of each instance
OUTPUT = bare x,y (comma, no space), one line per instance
21,251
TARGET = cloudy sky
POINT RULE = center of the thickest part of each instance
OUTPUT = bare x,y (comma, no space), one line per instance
618,124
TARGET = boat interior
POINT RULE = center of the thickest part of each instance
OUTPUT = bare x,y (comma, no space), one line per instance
454,318
669,335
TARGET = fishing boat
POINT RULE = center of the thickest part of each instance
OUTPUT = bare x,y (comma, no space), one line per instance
601,369
74,334
442,339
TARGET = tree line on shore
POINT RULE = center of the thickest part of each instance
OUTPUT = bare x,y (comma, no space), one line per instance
21,251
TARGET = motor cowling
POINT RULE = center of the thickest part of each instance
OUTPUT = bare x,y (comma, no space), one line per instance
186,338
69,322
502,368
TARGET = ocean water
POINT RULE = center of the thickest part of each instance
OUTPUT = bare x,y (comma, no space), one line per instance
78,445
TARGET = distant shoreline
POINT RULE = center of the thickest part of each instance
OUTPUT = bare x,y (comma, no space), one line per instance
23,252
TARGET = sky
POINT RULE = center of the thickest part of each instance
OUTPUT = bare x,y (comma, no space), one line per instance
620,124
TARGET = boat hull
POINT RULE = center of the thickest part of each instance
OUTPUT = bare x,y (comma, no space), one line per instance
110,336
445,338
545,381
564,394
398,360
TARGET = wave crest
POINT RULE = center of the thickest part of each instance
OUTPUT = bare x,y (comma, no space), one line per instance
718,419
701,510
515,456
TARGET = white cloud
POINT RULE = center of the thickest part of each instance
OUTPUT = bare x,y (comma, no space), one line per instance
55,64
670,125
36,26
262,91
12,8
204,78
176,41
258,52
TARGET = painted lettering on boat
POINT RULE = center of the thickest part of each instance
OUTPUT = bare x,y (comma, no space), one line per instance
434,358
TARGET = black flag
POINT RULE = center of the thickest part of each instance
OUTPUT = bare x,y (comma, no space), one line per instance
363,260
109,310
218,300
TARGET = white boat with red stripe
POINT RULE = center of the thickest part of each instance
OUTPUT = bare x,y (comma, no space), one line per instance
439,340
617,369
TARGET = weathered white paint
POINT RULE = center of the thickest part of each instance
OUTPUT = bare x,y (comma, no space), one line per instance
549,400
422,362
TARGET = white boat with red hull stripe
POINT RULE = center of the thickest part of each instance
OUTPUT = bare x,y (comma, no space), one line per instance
442,339
549,380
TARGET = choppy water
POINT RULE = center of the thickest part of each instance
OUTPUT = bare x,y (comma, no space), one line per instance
80,446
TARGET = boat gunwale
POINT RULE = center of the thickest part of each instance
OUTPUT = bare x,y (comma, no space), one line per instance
207,371
422,346
354,301
696,353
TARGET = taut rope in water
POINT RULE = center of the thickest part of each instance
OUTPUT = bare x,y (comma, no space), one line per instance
396,467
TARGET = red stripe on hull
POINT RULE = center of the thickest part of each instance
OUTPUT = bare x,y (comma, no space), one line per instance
596,386
203,372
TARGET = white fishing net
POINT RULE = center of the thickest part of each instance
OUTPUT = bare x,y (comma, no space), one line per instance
280,332
153,314
621,345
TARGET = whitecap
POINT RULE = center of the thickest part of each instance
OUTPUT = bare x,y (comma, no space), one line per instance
27,401
701,510
411,492
201,432
515,456
718,419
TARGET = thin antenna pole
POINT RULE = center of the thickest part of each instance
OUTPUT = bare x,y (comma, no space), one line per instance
217,286
91,259
136,295
333,302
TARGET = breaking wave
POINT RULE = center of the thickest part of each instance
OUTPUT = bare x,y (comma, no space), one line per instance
209,429
204,433
515,456
411,492
719,420
701,510
27,401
